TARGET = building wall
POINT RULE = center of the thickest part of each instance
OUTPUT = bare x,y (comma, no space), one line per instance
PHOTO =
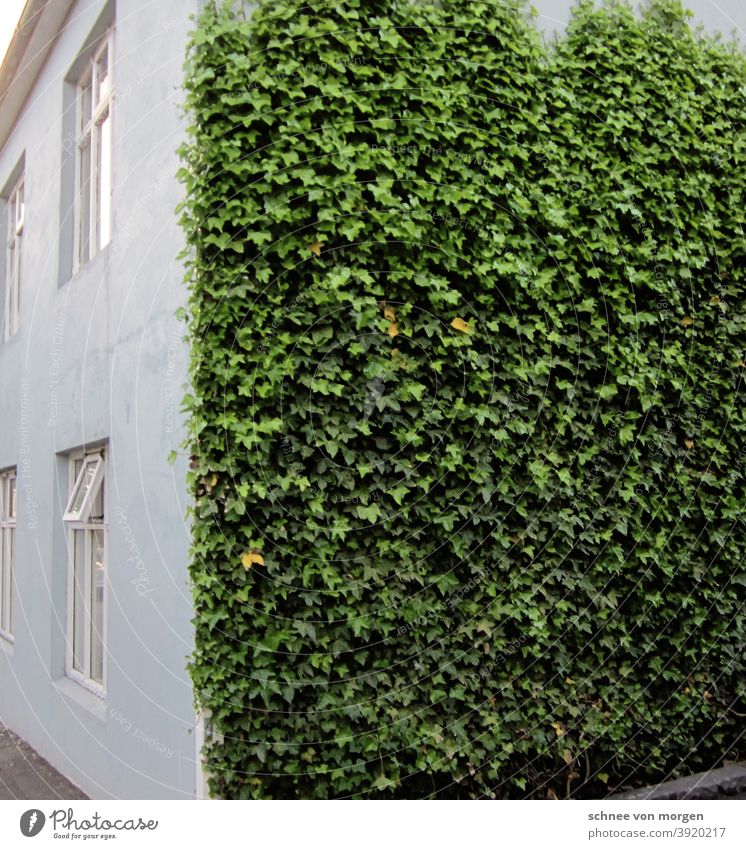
723,16
100,356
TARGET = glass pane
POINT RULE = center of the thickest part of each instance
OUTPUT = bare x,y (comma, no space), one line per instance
9,587
84,200
86,104
3,560
12,498
102,75
103,187
19,205
79,612
97,508
12,255
16,293
97,606
11,218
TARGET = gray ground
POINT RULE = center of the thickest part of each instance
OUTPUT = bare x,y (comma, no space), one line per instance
26,775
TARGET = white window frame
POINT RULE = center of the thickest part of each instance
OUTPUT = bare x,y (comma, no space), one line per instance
89,135
8,544
83,522
14,241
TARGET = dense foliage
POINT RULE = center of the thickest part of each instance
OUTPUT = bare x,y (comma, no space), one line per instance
466,428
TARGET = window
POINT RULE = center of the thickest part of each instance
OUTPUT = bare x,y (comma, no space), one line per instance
13,262
85,520
93,165
7,549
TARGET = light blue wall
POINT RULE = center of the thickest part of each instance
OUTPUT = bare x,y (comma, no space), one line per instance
722,16
101,357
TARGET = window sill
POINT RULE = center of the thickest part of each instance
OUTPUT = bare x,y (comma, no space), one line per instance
84,696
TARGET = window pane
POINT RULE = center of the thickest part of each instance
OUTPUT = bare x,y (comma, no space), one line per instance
19,206
3,569
97,606
9,587
103,187
11,218
79,611
16,293
12,254
12,498
84,199
86,104
97,508
14,271
102,75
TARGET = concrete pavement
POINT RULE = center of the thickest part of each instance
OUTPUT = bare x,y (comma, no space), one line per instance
26,775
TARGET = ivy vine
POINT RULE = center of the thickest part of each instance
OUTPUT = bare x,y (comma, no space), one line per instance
466,317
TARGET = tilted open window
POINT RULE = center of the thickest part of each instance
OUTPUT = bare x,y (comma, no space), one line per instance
85,491
85,518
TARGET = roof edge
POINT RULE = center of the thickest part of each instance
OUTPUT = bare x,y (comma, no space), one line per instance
40,23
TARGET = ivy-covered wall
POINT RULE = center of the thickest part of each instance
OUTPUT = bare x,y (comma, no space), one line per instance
468,347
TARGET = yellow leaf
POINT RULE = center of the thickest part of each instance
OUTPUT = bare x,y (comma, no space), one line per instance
389,313
250,558
740,364
393,329
687,322
559,728
552,795
715,299
460,324
689,443
567,756
316,247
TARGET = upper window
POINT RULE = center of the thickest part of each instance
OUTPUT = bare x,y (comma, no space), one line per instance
7,549
85,518
93,166
13,262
